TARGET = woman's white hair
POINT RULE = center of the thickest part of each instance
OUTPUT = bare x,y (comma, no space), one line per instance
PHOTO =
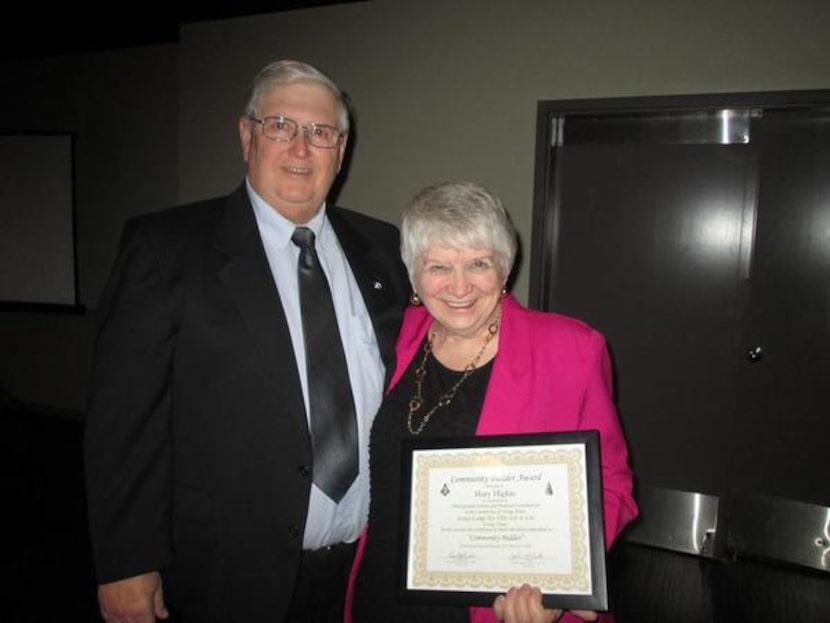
457,214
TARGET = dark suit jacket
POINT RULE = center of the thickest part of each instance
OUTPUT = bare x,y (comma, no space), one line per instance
197,450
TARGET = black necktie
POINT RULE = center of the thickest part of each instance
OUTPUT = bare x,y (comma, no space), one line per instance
333,424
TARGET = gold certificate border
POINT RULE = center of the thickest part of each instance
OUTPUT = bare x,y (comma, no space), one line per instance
573,458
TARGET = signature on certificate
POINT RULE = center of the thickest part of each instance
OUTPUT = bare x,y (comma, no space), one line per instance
461,559
529,559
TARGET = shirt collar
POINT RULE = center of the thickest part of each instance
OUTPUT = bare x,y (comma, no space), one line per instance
276,224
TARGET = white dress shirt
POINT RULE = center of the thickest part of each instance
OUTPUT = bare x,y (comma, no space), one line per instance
328,523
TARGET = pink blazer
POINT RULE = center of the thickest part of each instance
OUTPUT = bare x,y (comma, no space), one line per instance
552,373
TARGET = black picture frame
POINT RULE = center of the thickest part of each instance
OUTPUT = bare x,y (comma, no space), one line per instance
572,455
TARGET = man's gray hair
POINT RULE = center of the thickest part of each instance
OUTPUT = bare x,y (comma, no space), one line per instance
284,72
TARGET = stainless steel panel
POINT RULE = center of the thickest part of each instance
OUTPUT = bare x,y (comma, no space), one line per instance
681,521
778,529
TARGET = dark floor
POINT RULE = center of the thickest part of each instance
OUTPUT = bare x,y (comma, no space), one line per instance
658,586
46,570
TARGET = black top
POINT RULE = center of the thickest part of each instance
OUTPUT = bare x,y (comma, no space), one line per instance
376,589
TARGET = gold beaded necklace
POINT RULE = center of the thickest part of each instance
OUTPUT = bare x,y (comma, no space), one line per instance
417,400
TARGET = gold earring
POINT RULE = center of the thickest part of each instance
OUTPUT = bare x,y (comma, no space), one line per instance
415,299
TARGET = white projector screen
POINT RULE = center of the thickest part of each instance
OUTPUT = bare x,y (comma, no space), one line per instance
37,221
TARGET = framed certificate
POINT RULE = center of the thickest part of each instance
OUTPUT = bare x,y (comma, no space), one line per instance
482,514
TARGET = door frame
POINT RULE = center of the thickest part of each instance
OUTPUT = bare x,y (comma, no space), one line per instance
548,131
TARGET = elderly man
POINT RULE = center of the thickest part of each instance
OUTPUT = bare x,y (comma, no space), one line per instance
214,492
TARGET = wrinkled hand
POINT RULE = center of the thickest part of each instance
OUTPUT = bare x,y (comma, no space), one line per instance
523,604
139,599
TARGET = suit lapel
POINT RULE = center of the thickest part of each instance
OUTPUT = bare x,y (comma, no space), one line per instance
242,268
375,282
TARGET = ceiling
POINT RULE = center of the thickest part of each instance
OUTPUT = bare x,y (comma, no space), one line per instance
36,30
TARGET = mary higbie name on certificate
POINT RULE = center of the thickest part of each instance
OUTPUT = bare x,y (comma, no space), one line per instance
486,519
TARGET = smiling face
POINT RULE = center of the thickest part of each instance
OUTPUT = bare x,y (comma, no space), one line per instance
293,177
460,287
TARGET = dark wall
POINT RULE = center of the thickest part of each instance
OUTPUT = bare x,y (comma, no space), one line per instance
122,108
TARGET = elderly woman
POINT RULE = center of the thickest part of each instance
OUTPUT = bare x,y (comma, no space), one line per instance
472,361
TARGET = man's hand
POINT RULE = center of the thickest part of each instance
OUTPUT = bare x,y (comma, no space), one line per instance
139,599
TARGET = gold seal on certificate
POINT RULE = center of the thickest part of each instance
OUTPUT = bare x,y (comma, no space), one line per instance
482,514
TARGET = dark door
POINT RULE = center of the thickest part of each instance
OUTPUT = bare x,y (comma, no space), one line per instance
698,241
783,409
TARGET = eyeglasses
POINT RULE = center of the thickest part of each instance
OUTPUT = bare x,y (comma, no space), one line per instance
284,130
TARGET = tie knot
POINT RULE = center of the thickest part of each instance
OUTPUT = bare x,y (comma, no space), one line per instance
303,237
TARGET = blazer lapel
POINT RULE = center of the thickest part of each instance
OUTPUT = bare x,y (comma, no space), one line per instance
506,402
